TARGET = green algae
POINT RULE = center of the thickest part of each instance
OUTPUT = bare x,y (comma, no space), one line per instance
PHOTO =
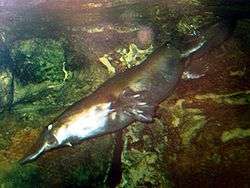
125,29
215,158
190,25
3,142
101,29
142,157
145,170
195,123
236,98
133,56
239,73
177,112
129,58
189,120
94,30
37,60
105,60
236,133
191,2
134,133
20,176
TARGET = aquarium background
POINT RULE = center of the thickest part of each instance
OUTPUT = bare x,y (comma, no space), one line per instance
53,53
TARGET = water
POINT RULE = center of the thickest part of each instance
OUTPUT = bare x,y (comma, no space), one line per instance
54,53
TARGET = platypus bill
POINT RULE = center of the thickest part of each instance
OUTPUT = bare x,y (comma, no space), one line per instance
130,96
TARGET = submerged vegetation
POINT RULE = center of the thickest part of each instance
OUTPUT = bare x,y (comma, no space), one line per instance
38,60
19,176
144,164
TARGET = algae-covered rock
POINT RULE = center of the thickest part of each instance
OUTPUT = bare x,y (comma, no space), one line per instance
127,58
236,133
142,156
133,56
188,120
6,89
19,176
6,75
37,60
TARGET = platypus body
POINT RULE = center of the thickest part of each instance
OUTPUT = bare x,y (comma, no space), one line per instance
130,96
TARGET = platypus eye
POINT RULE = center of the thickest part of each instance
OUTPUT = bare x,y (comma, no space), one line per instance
50,127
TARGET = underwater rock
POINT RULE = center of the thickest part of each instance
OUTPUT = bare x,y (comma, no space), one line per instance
142,157
236,133
6,76
6,89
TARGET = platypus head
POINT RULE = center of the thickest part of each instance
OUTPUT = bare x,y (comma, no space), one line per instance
72,127
45,142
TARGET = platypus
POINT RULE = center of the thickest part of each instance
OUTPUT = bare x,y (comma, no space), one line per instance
129,96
